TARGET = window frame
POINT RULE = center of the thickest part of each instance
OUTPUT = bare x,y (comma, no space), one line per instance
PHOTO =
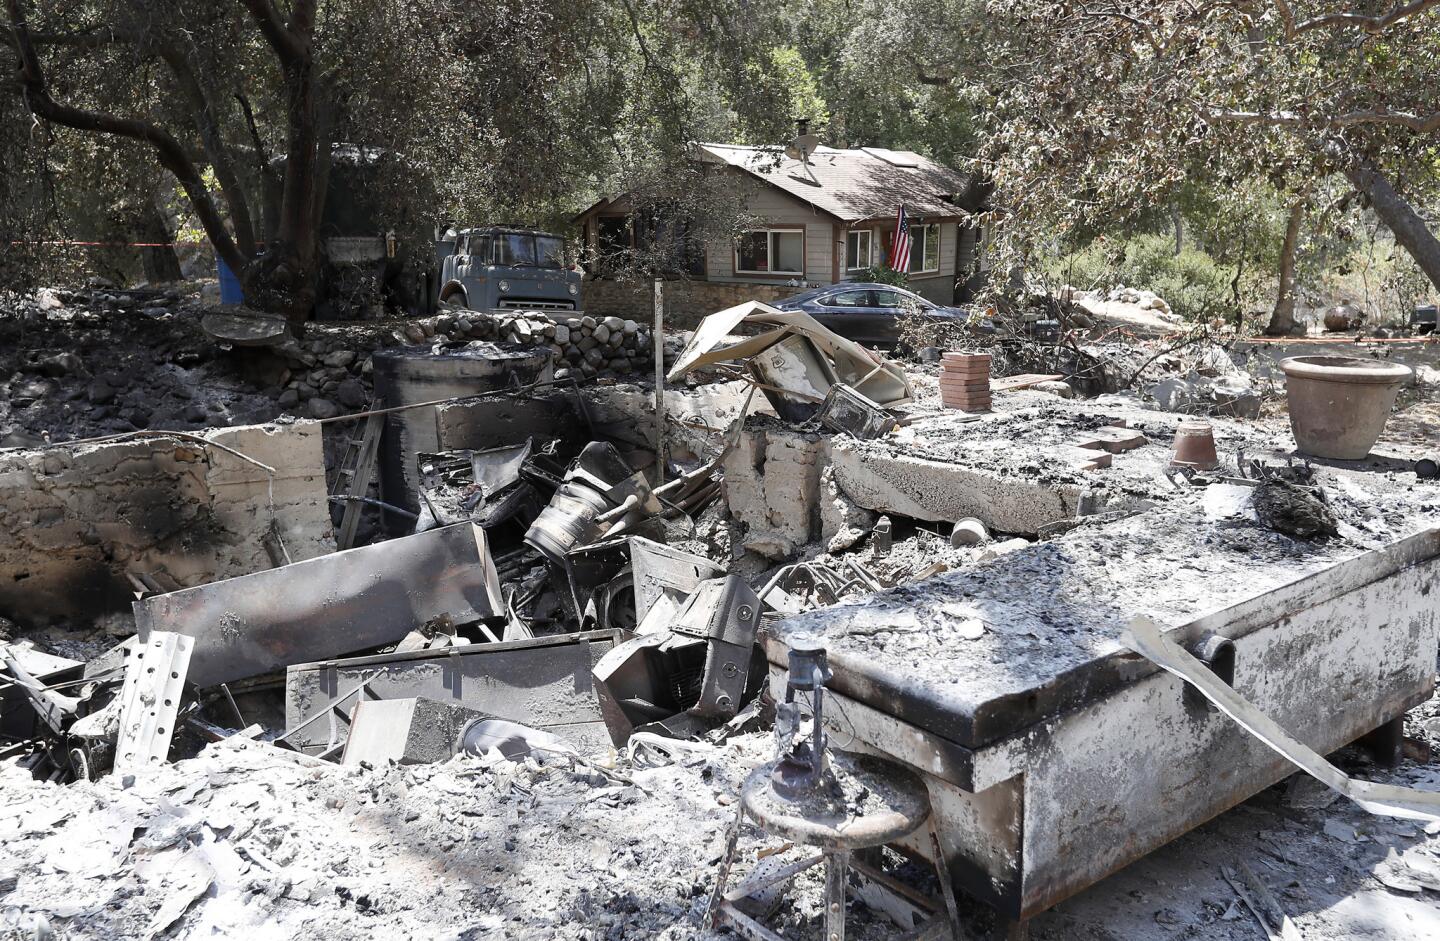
825,301
770,233
938,242
920,302
869,249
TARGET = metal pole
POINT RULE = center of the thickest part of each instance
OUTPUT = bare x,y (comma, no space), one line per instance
658,338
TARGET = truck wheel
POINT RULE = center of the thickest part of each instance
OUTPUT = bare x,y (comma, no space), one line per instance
455,300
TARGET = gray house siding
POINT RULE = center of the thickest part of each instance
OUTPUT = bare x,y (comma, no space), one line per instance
777,210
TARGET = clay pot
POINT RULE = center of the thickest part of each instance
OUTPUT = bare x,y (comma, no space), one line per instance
1195,445
1343,317
1339,404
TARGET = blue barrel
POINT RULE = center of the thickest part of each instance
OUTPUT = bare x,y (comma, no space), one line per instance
230,292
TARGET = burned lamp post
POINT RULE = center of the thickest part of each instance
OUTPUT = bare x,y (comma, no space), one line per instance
803,764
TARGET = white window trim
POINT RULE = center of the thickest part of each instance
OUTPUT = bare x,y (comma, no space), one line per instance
869,249
770,249
938,242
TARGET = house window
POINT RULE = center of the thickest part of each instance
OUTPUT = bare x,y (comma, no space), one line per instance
857,249
924,248
771,251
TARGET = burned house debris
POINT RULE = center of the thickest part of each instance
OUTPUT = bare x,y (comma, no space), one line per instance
833,641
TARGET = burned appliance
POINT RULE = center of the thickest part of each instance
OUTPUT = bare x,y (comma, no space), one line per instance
691,678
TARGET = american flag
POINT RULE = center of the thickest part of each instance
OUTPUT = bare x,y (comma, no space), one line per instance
900,247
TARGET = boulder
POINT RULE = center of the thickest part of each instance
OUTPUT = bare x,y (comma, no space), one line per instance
61,364
351,394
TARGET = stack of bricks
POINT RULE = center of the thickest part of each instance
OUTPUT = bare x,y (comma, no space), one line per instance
965,381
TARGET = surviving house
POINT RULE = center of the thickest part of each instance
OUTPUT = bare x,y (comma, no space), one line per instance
824,217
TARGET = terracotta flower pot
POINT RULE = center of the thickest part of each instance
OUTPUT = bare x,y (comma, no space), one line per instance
1195,445
1339,404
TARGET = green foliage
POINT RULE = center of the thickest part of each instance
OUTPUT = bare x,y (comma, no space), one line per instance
884,274
1193,283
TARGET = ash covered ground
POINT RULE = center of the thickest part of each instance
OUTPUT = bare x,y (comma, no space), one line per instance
246,839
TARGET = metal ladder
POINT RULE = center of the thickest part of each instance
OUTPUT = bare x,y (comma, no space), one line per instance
357,468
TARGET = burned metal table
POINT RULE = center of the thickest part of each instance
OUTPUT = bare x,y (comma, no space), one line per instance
1055,756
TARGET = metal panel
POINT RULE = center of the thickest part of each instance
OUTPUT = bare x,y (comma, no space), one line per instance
150,700
330,605
544,683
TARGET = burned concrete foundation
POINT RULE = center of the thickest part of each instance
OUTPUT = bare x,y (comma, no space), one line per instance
772,486
183,510
1035,730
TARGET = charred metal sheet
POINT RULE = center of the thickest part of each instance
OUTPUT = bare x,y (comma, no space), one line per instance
688,679
49,707
544,683
497,468
406,731
17,711
330,605
150,700
658,569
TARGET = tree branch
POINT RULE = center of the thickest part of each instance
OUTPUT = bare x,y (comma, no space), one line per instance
1133,20
1369,24
170,154
287,45
1419,123
208,126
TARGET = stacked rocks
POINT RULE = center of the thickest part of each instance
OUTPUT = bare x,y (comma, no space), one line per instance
965,381
582,346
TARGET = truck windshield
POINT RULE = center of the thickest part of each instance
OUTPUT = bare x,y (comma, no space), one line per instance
533,251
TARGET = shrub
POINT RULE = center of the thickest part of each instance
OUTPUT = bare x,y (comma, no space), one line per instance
884,274
1194,284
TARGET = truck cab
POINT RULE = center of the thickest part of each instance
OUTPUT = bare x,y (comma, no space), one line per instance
506,267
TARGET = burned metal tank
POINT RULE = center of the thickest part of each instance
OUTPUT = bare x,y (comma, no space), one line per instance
413,374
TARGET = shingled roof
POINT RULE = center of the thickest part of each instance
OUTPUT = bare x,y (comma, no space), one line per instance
853,185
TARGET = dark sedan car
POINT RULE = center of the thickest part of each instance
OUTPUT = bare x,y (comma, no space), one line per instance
866,313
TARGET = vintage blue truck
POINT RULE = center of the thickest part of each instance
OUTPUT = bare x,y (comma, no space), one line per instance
499,267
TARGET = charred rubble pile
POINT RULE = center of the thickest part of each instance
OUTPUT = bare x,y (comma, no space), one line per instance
95,361
605,596
516,558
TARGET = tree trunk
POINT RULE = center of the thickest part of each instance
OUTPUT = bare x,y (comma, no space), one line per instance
1178,222
1400,218
1282,319
159,260
286,278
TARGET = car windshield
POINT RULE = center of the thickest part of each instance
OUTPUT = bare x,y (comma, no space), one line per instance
529,251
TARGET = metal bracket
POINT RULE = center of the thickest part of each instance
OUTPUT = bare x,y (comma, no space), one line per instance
150,700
